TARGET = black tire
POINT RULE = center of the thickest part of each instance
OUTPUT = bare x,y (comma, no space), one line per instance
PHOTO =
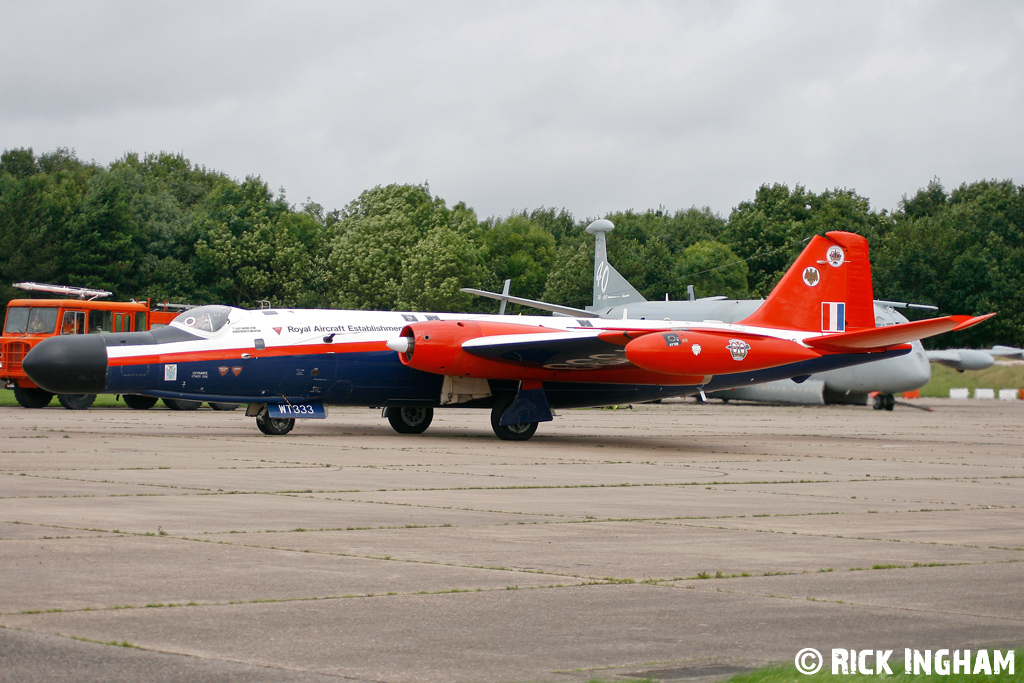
410,419
883,402
137,402
76,401
517,432
223,406
275,426
179,404
28,397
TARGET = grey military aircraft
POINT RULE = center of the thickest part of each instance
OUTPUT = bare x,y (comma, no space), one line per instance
615,297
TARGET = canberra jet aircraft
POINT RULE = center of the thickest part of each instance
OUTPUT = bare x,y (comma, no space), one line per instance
289,364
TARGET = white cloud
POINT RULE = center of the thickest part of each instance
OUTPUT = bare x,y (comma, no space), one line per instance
591,106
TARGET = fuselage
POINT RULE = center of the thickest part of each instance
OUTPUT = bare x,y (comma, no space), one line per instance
337,357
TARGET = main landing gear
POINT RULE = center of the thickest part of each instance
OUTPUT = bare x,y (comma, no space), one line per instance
883,402
520,431
409,419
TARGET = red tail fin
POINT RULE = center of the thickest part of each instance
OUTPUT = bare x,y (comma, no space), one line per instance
827,289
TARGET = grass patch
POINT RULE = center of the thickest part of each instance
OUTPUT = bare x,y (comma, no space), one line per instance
996,377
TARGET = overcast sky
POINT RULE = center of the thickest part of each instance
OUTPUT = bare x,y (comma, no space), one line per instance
585,105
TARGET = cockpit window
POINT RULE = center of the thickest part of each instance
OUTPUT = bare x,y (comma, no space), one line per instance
204,318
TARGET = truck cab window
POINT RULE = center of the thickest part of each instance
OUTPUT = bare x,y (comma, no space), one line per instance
73,322
42,320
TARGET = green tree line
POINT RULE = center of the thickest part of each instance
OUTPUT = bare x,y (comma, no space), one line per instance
158,226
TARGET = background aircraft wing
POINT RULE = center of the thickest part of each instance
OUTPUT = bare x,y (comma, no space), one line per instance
961,359
532,303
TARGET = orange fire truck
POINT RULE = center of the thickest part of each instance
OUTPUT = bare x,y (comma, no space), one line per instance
29,321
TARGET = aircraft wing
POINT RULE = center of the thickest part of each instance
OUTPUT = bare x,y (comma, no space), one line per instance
532,303
1007,352
587,349
893,335
961,359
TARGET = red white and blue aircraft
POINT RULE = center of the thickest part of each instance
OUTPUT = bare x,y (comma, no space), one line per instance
289,363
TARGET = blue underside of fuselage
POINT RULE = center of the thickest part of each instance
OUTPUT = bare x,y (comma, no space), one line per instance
378,378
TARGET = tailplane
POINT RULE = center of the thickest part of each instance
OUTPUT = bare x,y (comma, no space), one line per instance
828,289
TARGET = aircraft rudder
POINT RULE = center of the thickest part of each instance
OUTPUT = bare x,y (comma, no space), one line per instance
827,289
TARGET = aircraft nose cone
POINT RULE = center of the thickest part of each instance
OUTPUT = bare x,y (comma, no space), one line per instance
73,364
400,344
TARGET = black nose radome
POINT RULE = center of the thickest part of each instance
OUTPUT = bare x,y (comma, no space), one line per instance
75,364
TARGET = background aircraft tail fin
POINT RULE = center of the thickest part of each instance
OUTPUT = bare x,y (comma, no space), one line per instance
827,289
610,288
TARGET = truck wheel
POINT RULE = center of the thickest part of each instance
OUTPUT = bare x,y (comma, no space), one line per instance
76,401
32,397
136,402
410,419
223,406
179,404
517,432
275,426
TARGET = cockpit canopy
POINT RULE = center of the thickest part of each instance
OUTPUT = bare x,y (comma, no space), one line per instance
203,318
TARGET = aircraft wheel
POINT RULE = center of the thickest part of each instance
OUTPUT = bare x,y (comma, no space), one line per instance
517,432
76,401
223,406
137,402
28,397
883,402
410,419
275,426
179,404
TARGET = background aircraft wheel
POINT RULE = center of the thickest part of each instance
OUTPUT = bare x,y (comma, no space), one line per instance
223,406
178,404
32,398
884,402
410,419
136,402
275,426
76,401
517,432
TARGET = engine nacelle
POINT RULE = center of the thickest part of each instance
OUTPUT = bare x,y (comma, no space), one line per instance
684,352
436,346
